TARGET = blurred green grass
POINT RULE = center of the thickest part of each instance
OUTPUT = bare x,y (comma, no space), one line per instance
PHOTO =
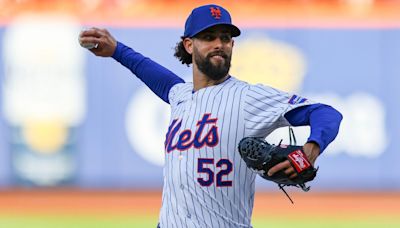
57,221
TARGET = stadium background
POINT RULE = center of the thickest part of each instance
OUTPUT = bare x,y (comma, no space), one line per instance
81,138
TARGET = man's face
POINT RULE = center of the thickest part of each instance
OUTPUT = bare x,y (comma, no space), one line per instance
212,51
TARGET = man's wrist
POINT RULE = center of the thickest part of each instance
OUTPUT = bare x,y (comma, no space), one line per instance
312,150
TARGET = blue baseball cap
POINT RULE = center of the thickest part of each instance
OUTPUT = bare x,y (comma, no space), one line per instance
206,16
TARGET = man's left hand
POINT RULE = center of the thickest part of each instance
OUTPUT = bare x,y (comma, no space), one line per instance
311,149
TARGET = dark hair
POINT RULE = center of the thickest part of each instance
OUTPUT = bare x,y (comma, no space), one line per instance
182,54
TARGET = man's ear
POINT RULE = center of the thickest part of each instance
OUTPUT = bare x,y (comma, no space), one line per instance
188,44
233,43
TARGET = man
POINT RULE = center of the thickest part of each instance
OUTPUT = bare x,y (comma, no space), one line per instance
206,182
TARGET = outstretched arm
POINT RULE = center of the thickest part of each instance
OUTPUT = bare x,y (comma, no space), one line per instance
159,79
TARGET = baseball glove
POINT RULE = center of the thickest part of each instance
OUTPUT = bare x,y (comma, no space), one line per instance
260,156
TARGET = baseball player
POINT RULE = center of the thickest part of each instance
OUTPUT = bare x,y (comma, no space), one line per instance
206,183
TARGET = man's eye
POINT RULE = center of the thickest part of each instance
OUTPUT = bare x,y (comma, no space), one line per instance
209,37
225,38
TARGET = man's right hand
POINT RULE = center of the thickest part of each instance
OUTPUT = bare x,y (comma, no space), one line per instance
106,43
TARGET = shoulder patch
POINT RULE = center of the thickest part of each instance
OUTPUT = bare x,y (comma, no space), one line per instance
297,100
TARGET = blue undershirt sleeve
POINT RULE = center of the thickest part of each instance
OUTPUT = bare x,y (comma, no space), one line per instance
158,78
323,120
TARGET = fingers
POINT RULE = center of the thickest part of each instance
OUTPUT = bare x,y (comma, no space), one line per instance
92,32
91,36
278,167
289,171
98,41
86,40
285,166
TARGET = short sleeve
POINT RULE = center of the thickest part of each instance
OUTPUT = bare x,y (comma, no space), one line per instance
265,107
178,92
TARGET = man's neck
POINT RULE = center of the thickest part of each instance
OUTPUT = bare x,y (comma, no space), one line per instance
201,80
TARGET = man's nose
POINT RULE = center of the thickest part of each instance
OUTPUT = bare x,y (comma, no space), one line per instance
218,43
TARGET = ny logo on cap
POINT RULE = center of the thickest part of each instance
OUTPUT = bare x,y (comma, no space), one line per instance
215,12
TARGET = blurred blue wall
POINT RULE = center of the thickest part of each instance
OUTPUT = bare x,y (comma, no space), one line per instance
338,62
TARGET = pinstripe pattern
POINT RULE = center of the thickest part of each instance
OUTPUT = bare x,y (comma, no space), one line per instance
200,190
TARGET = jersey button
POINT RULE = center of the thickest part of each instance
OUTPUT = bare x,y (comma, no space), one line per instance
180,157
182,187
188,215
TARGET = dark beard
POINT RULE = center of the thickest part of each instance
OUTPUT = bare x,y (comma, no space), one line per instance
214,72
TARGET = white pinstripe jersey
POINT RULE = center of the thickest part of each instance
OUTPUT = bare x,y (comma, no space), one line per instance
206,183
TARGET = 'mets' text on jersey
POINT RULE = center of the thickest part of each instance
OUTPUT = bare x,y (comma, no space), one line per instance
206,183
188,139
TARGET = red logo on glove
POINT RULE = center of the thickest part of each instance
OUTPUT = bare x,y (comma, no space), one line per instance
299,160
